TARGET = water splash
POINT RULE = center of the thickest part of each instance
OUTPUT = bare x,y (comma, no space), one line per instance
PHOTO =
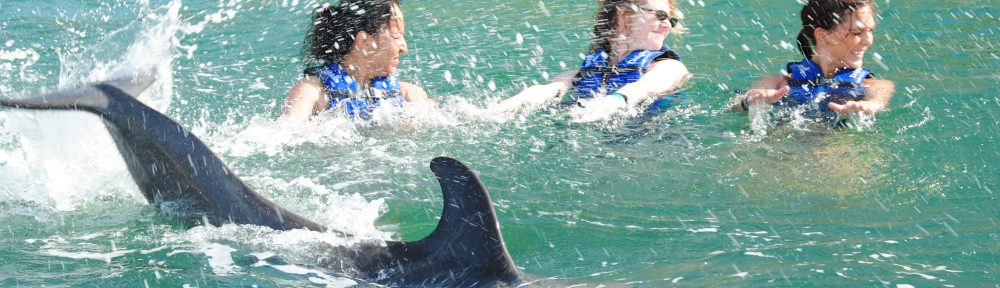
37,141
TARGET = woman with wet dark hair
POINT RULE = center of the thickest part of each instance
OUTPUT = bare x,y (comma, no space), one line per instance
353,48
830,81
627,66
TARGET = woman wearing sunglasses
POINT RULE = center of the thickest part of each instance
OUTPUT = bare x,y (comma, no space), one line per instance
627,66
830,81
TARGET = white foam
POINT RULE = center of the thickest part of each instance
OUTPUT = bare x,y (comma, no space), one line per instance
220,259
315,276
272,137
294,244
333,207
704,230
758,254
107,257
154,250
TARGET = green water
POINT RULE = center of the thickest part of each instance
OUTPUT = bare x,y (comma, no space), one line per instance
689,198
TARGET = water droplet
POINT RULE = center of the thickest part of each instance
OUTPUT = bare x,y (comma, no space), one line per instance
786,45
541,7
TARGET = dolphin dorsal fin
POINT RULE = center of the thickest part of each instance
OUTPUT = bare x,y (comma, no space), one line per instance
468,232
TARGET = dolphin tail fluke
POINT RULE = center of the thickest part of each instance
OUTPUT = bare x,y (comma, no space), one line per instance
468,234
174,169
91,97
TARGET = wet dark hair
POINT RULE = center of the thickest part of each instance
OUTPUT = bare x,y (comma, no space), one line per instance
825,14
334,26
606,19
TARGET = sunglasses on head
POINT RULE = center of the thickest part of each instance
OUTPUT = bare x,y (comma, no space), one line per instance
663,15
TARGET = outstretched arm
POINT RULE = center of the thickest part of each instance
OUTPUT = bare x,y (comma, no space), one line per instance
662,78
768,90
877,96
537,95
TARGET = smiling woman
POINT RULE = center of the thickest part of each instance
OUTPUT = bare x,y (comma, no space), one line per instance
627,65
830,81
356,46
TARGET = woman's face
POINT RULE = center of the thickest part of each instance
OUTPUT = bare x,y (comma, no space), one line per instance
845,45
642,29
388,45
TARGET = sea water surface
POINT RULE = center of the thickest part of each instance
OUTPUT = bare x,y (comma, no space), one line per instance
692,197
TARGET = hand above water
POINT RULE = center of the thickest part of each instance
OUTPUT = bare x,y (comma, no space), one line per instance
869,107
531,96
877,96
769,96
766,95
597,108
766,90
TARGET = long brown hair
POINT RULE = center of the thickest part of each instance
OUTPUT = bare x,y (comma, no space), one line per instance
606,19
826,14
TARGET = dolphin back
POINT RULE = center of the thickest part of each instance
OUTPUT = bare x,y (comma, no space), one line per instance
175,170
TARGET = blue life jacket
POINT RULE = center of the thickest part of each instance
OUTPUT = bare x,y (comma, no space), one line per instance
345,92
596,78
809,88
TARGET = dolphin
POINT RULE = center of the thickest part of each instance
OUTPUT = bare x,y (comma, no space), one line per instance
179,175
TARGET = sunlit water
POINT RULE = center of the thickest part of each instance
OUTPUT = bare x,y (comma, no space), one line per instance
693,197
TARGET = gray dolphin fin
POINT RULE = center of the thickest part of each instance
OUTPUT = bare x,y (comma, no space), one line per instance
468,224
175,170
466,249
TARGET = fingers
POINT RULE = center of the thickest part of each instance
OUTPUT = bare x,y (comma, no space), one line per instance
578,114
777,94
597,108
839,108
852,106
767,95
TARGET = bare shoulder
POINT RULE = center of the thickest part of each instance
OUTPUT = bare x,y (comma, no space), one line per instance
305,98
309,90
307,84
669,64
668,71
412,92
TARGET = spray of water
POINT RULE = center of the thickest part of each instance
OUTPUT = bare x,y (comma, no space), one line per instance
56,151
